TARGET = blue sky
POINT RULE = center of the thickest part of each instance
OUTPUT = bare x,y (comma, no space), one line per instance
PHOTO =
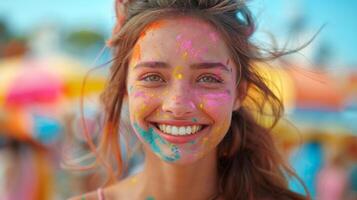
272,15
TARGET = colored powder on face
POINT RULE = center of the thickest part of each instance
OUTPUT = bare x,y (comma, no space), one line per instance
151,27
201,105
217,96
192,142
83,198
139,94
177,72
187,45
131,89
194,119
179,76
136,52
153,139
150,198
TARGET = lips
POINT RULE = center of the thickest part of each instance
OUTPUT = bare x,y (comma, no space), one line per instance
179,139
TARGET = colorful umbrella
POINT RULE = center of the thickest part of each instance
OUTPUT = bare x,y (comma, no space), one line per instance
34,81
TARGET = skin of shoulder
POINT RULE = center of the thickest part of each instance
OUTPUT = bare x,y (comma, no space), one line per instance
124,189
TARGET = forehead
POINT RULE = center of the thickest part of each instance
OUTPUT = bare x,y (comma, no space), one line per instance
182,38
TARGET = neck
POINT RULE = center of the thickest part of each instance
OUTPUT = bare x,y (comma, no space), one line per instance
196,180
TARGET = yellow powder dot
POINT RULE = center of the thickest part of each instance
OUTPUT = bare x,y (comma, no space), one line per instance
179,76
201,105
143,107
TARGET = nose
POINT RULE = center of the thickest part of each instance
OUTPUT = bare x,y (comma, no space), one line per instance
179,102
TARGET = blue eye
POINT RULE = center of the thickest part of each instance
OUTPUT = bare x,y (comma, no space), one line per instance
209,79
153,78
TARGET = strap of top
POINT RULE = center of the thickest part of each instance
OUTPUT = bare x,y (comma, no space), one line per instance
100,194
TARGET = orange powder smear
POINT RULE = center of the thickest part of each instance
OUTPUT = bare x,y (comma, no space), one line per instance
137,49
152,26
137,52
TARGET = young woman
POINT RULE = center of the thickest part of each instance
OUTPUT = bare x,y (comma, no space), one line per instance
184,68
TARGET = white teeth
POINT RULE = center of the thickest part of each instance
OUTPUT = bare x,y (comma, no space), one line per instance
179,130
168,129
174,130
188,130
182,130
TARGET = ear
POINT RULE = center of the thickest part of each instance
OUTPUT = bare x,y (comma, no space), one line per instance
241,93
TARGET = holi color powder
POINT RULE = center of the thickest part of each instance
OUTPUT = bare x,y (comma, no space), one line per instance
131,89
150,198
201,105
194,119
186,47
153,139
179,76
136,53
153,26
177,72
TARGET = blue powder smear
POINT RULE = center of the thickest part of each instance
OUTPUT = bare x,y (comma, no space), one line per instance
153,138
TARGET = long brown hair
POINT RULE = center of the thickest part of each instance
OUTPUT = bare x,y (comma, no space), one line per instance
249,165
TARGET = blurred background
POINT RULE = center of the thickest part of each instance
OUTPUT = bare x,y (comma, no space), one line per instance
47,47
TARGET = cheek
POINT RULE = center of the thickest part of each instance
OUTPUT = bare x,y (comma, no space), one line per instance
217,105
141,102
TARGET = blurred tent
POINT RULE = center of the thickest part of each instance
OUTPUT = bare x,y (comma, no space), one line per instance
316,90
28,81
28,85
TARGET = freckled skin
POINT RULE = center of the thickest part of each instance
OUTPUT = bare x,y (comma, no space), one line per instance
179,92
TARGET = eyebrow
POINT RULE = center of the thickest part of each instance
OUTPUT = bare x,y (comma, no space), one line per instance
204,65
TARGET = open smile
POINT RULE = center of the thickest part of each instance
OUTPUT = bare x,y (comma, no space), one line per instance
179,134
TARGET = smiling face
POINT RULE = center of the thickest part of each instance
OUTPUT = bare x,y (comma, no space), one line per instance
181,89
